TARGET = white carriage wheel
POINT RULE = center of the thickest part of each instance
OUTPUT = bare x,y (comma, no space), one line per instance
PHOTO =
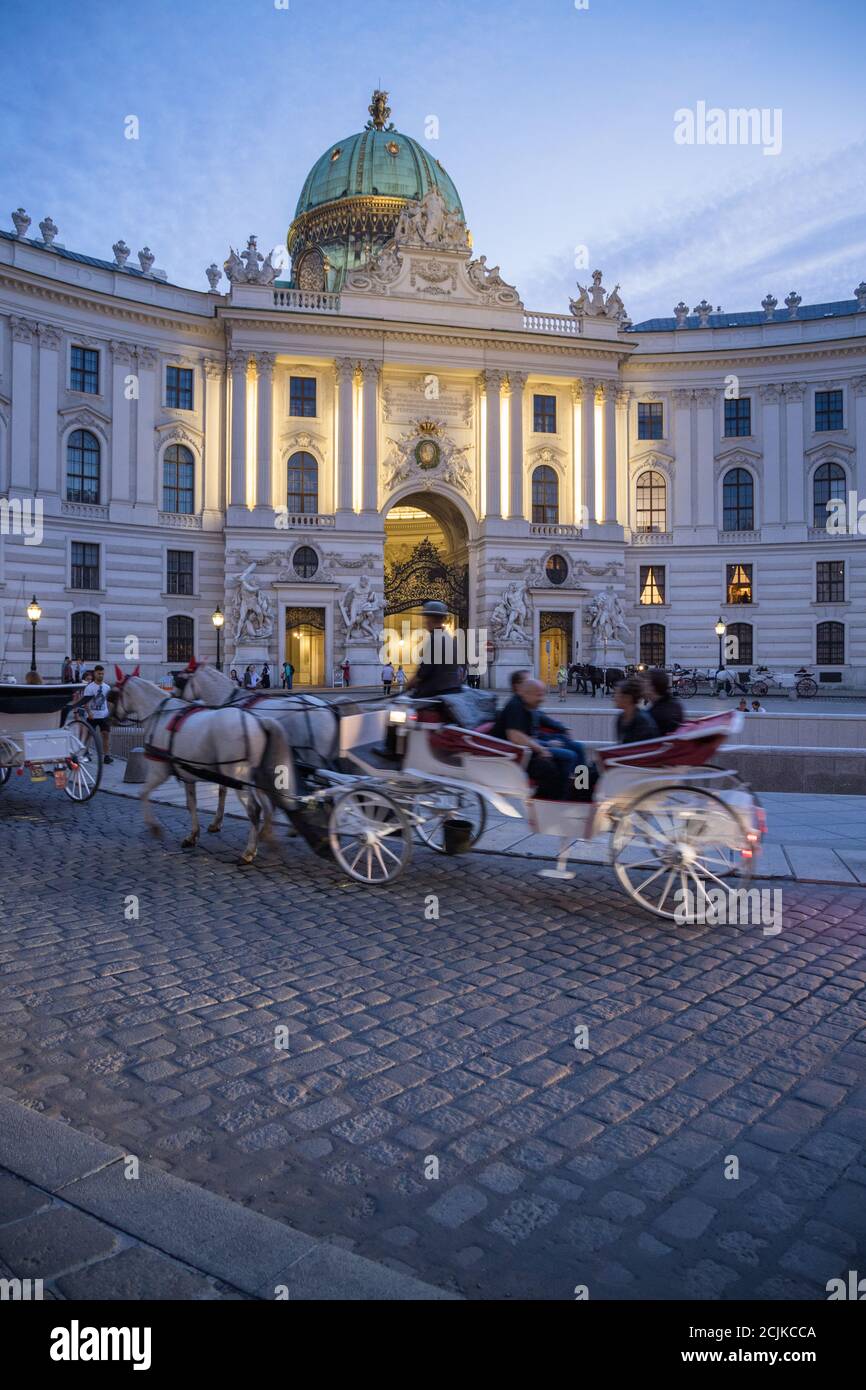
435,805
676,840
82,781
370,836
5,774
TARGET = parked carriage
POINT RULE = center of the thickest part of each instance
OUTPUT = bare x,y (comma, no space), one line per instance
35,741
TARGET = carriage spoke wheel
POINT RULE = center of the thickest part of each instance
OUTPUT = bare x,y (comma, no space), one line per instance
807,688
83,778
438,805
370,837
673,846
5,774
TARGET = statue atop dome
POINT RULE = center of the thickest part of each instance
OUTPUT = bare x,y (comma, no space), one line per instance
380,113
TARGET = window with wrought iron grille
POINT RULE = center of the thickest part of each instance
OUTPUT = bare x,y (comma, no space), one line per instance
302,396
305,562
84,636
545,496
652,501
831,581
84,370
85,565
653,644
179,572
738,501
544,414
652,584
830,644
738,417
178,388
82,467
829,484
181,638
302,493
828,410
738,584
650,420
739,644
178,480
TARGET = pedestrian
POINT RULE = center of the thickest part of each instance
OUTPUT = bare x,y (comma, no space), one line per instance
634,724
248,678
255,678
33,678
347,671
233,675
95,697
288,674
387,678
76,671
266,677
742,706
562,682
665,708
66,676
757,707
400,678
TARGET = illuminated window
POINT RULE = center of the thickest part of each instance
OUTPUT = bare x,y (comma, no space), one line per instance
738,584
652,584
652,497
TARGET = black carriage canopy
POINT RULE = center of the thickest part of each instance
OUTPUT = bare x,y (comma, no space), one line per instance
36,699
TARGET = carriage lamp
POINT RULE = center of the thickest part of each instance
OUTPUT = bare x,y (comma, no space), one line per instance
218,619
34,613
721,629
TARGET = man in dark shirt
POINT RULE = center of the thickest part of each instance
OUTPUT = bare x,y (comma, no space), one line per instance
665,708
634,724
438,673
518,723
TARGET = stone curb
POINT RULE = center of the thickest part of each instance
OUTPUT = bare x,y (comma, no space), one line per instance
213,1235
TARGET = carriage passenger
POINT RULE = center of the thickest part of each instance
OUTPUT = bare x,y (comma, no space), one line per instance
519,722
634,724
665,708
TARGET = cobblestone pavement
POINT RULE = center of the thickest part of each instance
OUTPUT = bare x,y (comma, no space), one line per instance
411,1040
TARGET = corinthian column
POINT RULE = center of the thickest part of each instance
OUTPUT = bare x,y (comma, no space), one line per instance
370,466
344,371
795,438
23,333
771,430
609,509
682,404
493,386
265,363
214,485
49,361
122,366
517,382
237,362
588,389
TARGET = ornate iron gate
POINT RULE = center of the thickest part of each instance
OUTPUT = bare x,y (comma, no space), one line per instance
427,575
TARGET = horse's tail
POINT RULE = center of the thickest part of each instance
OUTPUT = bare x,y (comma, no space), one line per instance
277,779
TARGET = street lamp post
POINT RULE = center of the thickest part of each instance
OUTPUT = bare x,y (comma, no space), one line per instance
721,629
34,613
218,619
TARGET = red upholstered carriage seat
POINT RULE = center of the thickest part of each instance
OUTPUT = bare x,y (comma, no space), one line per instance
692,744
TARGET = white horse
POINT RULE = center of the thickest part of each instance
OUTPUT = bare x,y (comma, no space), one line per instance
309,725
197,744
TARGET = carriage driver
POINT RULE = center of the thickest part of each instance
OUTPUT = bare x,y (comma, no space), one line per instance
439,673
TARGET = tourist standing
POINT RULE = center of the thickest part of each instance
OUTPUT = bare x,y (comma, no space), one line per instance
347,671
562,682
66,674
400,678
266,677
288,674
95,696
387,678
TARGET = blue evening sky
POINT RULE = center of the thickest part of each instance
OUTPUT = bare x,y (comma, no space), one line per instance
555,123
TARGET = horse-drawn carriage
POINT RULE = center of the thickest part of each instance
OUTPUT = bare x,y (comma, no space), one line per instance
35,740
360,783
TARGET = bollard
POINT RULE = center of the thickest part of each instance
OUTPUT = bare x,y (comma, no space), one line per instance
136,769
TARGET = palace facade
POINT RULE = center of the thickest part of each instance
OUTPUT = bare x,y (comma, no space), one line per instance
316,455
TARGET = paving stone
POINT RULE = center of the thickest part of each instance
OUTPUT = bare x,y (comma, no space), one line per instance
687,1219
45,1245
501,1177
523,1217
457,1206
19,1199
134,1275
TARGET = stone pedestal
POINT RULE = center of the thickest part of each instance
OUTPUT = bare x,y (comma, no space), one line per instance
250,654
510,657
612,654
366,667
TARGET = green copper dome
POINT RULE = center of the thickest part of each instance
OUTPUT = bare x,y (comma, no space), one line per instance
353,196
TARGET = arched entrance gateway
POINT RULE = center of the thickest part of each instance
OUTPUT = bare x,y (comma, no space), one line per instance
426,557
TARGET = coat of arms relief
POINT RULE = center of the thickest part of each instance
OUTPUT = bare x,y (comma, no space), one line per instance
425,453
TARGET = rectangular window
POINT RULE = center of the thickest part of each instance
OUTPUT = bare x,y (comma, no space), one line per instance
828,410
738,417
302,396
738,584
85,565
544,414
179,572
85,636
653,644
84,370
178,388
652,584
831,581
650,420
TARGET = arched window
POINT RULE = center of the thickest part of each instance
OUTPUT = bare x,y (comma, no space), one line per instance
831,644
82,467
181,638
305,562
178,480
652,502
84,642
545,496
653,646
828,483
303,485
738,501
739,645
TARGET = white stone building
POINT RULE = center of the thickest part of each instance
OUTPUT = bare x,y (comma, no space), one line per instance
316,454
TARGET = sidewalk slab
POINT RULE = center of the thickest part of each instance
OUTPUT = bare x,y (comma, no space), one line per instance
48,1153
818,862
